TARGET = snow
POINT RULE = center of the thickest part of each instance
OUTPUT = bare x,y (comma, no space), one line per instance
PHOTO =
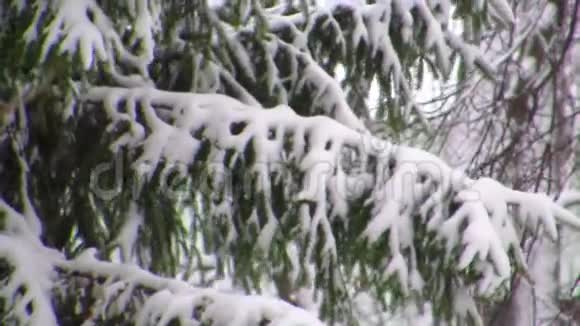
29,211
267,233
177,299
127,238
214,4
329,94
242,56
417,182
548,16
31,33
464,305
98,37
502,9
78,31
569,198
402,9
332,4
30,283
359,33
145,26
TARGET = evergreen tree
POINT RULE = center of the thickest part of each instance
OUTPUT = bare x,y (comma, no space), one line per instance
153,151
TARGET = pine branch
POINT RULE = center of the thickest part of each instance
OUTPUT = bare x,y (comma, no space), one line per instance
405,182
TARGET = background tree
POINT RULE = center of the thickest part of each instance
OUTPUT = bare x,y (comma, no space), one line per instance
528,119
131,190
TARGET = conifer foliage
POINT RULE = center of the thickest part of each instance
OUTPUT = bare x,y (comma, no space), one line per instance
198,163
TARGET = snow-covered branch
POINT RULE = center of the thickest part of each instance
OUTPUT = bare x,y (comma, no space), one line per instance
83,27
401,184
36,273
280,168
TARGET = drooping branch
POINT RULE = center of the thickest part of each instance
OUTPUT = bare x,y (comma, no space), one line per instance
321,168
401,182
35,271
365,29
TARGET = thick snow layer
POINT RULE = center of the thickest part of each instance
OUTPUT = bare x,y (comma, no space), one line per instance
28,288
144,22
77,30
177,299
222,309
81,27
406,181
